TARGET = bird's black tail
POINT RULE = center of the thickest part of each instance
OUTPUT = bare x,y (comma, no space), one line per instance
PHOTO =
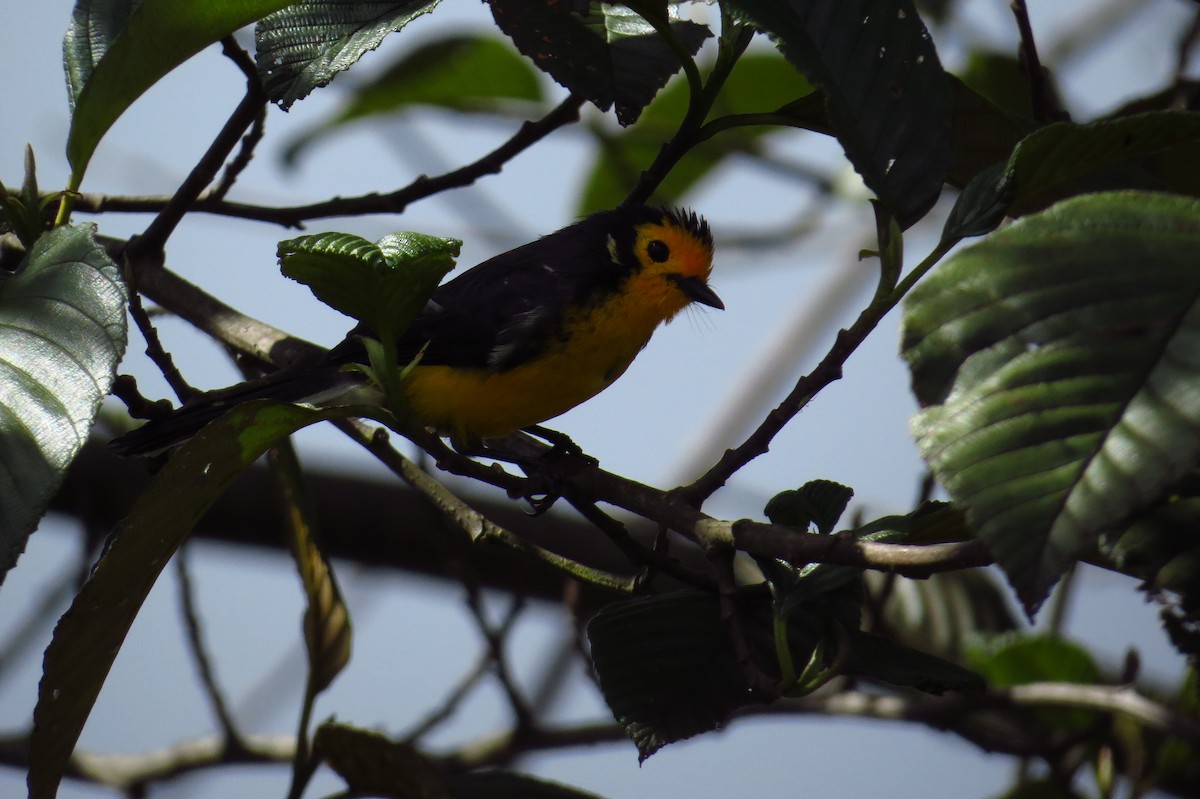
160,434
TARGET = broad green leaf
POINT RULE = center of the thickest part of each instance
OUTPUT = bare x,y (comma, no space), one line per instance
759,83
1057,363
159,36
1020,660
373,764
327,630
507,785
62,334
89,635
610,55
1065,159
476,74
304,46
885,91
646,653
1058,154
384,285
666,667
95,24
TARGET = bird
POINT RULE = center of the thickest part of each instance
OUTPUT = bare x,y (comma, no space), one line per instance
515,341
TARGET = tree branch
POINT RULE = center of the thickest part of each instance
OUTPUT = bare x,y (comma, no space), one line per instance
294,216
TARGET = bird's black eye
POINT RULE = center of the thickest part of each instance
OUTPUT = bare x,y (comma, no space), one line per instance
658,251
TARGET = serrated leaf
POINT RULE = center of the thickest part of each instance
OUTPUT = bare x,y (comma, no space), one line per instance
327,629
611,55
1057,154
819,503
95,24
373,764
1058,362
62,334
89,635
507,785
385,285
666,667
304,46
476,74
159,36
886,94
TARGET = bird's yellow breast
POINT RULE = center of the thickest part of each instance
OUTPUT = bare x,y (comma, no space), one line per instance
594,347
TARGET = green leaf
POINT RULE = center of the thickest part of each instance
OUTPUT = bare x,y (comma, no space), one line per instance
89,635
95,24
1054,156
1057,363
327,630
384,285
759,83
62,334
666,667
886,94
818,503
373,764
475,74
610,55
1019,660
159,36
304,46
981,206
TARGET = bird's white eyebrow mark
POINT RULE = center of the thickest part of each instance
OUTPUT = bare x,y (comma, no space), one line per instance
612,249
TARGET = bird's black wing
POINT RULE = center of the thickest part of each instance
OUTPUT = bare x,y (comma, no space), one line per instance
505,310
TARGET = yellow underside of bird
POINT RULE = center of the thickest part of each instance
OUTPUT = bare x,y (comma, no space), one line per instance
596,348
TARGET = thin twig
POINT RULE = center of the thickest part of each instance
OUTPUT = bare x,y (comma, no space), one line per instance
294,216
494,639
195,639
473,523
156,234
158,354
452,702
638,554
245,154
1045,108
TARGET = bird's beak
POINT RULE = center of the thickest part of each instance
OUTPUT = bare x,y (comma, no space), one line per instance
698,291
